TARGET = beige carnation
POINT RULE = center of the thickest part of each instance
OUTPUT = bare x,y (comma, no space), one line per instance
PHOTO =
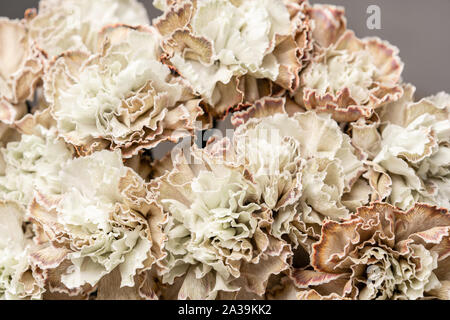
74,25
326,167
218,234
408,150
18,278
21,67
120,98
100,224
381,253
348,77
235,52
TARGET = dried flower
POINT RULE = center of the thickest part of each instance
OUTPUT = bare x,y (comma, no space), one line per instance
74,25
232,51
350,78
381,253
329,24
21,67
218,233
101,221
18,279
32,163
121,97
329,166
409,152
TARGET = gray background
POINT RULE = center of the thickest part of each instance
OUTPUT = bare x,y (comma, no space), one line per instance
421,30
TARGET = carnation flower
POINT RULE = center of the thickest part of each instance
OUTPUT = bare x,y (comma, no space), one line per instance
409,153
348,77
18,279
99,224
218,233
121,97
72,25
264,187
329,23
21,68
381,253
325,179
233,52
272,157
33,162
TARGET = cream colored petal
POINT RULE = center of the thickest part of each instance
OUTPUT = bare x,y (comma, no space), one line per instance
122,97
62,26
352,78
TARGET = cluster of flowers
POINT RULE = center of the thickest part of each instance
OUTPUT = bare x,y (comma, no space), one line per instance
335,184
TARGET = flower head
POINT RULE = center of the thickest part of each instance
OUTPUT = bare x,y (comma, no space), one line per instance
408,150
350,78
218,232
120,98
21,68
74,25
318,167
18,278
98,223
231,51
381,253
33,162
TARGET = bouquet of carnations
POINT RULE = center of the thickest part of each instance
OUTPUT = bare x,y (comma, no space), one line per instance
333,184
